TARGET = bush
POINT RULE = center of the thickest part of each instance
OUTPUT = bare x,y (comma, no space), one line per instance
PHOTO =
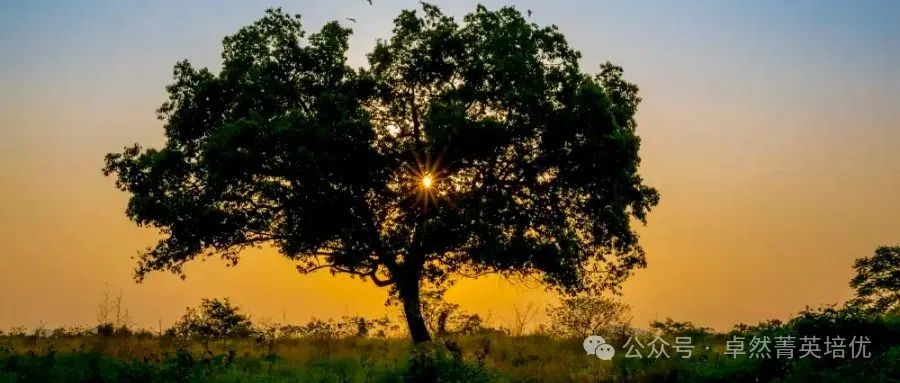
583,315
214,319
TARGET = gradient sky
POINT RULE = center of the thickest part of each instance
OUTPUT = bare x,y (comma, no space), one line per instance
771,130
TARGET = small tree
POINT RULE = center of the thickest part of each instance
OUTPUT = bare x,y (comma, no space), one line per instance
877,281
583,315
214,319
522,317
112,315
464,148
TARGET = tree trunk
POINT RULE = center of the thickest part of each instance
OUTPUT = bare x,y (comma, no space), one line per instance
412,310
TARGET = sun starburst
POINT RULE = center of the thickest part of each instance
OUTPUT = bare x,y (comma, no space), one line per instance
425,175
427,180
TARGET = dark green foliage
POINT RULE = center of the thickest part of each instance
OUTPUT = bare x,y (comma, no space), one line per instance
539,160
106,329
704,366
214,319
182,366
877,281
479,357
272,149
535,163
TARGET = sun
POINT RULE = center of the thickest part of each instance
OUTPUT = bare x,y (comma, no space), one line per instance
427,181
424,178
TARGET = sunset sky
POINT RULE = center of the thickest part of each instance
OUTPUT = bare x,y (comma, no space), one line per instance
771,129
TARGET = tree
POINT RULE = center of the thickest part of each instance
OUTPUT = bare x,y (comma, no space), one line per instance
112,315
214,319
877,281
443,317
583,315
463,149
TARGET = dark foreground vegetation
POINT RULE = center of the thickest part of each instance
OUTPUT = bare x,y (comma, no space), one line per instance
326,351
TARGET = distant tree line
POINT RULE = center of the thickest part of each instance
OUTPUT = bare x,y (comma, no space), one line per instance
876,284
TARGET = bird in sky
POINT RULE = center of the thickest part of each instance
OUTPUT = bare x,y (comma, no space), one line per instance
529,13
370,2
351,19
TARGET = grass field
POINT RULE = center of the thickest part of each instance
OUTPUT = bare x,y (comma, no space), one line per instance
486,356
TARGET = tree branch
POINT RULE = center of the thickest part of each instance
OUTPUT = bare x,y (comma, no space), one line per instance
372,274
414,114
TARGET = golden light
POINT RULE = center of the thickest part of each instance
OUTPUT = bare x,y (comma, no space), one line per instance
423,180
393,130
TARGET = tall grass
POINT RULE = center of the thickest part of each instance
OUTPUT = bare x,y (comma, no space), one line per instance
485,355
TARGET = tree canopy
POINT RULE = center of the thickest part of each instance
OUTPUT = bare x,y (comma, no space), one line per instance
214,319
877,281
462,149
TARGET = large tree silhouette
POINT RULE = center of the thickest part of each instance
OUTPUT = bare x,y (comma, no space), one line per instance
464,148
